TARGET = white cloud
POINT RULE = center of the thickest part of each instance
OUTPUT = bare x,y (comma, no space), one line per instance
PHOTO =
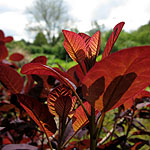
134,12
13,19
14,22
84,12
110,12
105,7
16,4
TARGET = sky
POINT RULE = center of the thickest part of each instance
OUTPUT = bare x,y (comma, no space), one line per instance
14,19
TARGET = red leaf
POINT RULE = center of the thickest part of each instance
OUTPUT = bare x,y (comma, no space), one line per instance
84,36
11,79
84,144
6,140
5,39
40,89
112,39
120,76
39,69
39,113
60,91
72,72
66,75
11,64
143,94
5,107
92,48
3,52
63,106
75,46
80,119
16,57
2,36
48,82
30,82
40,59
8,39
94,45
129,103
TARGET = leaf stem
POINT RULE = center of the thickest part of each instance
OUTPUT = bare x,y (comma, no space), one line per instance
130,123
99,126
66,142
115,123
92,129
108,134
49,143
81,103
62,122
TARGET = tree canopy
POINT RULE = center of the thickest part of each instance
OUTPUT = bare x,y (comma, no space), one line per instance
48,16
40,39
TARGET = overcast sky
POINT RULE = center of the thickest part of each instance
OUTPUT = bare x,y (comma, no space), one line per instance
13,19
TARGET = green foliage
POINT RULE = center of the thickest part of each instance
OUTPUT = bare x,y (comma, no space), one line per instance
40,39
57,50
35,49
20,44
125,40
142,35
47,49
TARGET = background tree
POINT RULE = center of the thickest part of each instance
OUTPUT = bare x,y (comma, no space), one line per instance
48,16
95,27
142,35
40,39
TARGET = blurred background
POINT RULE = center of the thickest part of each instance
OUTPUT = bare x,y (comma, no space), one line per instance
36,25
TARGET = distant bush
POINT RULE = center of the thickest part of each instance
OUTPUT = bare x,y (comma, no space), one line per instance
47,49
59,51
40,39
34,49
14,44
